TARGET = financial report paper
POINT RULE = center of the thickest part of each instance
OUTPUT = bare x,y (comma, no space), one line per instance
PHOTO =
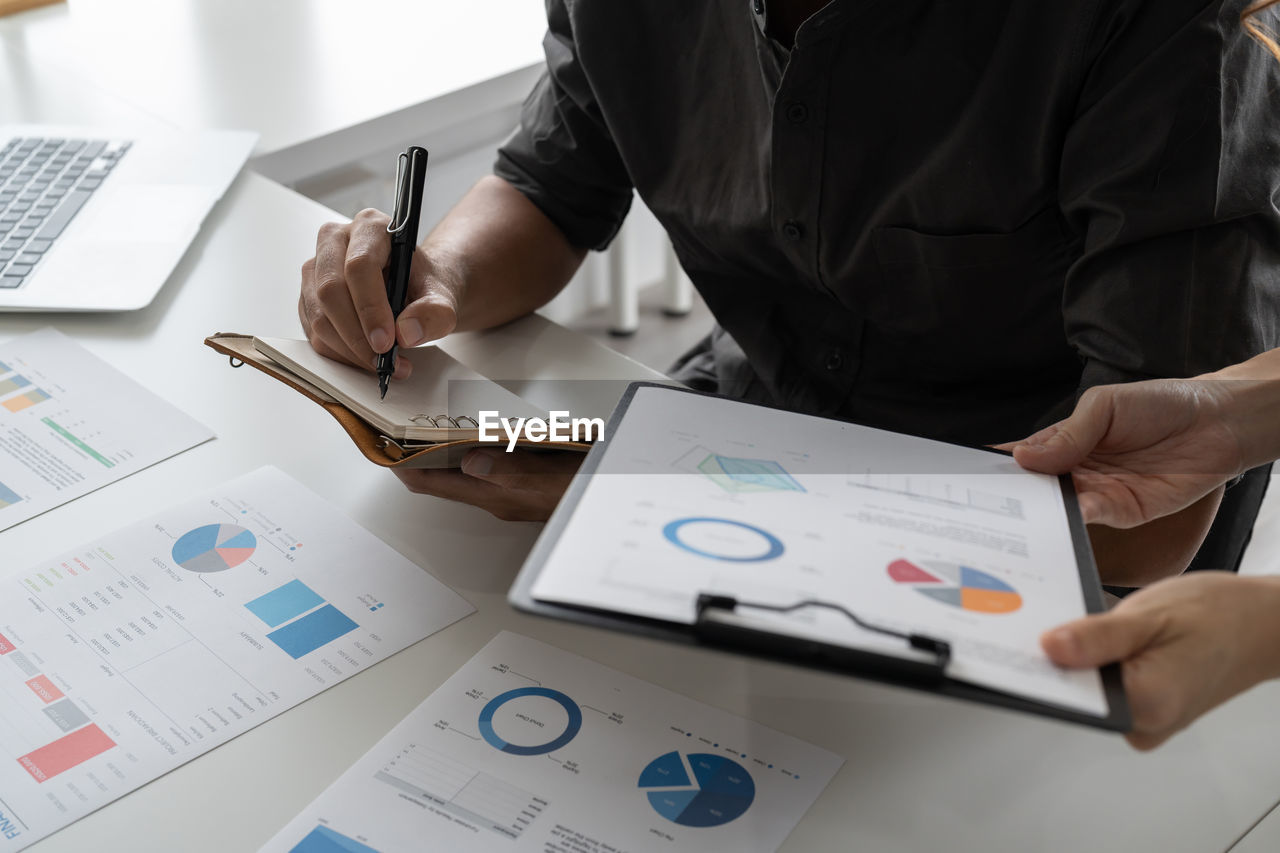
701,494
129,656
531,749
70,423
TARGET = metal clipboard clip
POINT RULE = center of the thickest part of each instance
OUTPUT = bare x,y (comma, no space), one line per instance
786,645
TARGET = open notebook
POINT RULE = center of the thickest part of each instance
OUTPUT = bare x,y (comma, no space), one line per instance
432,418
440,401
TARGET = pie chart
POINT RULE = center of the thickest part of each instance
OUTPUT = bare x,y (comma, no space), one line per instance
957,585
214,548
718,791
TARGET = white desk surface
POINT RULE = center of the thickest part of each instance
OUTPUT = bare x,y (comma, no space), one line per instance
922,773
1263,838
323,82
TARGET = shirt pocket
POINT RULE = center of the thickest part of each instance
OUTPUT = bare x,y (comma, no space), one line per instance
975,301
929,280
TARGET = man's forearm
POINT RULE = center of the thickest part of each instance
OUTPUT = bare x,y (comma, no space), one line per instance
1252,407
500,255
1262,366
1161,548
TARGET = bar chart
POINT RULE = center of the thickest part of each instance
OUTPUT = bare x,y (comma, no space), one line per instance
58,738
27,400
303,621
18,401
118,662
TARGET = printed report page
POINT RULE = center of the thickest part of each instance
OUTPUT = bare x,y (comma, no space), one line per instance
701,494
70,423
126,657
531,749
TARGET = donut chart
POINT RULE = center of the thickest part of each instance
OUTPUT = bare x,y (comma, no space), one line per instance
723,539
720,789
957,586
491,736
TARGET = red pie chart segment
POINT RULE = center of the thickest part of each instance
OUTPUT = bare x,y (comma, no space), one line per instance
903,571
235,556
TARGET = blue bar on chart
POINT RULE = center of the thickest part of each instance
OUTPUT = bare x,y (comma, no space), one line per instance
13,383
284,603
8,497
318,628
322,839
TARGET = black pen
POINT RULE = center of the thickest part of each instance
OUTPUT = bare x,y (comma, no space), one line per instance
411,172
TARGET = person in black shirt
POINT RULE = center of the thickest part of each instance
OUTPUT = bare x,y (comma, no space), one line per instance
942,219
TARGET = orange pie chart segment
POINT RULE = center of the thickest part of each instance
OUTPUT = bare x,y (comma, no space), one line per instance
989,600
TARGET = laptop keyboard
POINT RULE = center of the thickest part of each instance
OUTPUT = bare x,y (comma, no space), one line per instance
43,185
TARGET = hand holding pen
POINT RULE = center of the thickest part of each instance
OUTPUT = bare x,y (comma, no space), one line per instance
411,172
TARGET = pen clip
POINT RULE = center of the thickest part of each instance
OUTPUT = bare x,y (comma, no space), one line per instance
400,207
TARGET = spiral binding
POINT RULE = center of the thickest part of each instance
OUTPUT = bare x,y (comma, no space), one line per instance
450,423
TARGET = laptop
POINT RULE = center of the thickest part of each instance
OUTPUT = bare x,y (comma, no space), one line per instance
92,220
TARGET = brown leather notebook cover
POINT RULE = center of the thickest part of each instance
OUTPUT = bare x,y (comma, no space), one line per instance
376,447
9,7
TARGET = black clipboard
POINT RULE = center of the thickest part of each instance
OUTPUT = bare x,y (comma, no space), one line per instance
787,648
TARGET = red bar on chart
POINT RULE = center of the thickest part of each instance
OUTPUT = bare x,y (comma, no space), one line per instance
66,752
45,689
5,645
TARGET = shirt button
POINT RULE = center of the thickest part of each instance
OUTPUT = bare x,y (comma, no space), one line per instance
792,230
758,6
835,360
797,113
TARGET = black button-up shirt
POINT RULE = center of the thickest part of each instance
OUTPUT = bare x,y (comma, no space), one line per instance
940,218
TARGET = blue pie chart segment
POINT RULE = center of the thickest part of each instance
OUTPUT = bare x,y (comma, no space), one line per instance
723,539
666,771
495,740
672,804
720,775
723,793
196,541
981,580
709,809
